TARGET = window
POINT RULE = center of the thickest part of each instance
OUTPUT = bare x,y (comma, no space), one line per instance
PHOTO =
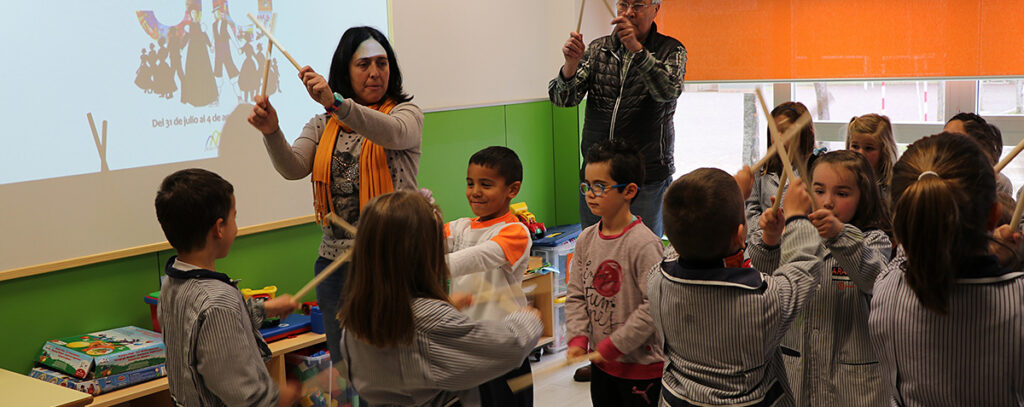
721,125
902,101
1001,97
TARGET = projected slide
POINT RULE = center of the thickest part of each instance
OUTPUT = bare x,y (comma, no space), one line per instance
90,87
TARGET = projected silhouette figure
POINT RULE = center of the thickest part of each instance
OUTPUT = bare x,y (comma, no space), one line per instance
199,87
248,79
174,46
142,75
272,85
261,63
222,47
163,75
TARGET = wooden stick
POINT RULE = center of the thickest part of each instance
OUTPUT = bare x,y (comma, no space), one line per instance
337,220
274,41
1013,153
1017,212
101,146
787,164
266,63
778,194
610,9
330,269
517,384
501,296
579,23
788,136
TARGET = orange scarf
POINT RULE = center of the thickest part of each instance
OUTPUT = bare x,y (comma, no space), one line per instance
374,174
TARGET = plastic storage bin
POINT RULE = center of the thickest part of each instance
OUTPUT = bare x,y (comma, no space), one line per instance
561,341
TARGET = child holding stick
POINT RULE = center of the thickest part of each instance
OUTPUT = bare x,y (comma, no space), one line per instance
827,351
403,341
489,254
945,317
721,326
215,355
767,179
606,306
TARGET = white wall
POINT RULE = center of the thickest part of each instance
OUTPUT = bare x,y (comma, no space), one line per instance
476,53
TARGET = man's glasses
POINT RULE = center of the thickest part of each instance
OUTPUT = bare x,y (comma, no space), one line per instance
598,188
637,7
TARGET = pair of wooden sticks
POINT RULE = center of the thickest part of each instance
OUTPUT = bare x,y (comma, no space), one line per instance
579,22
273,43
779,146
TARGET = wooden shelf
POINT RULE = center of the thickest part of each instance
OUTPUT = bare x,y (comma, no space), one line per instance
130,393
277,348
300,341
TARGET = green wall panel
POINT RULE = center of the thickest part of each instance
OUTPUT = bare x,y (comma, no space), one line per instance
528,132
566,151
283,257
70,302
449,139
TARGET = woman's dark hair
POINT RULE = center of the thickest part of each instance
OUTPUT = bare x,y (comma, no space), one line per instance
872,212
805,140
339,79
943,189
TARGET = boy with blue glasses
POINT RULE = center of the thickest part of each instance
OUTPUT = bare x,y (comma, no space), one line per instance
606,307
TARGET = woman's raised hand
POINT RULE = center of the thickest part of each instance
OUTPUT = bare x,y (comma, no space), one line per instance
264,117
317,86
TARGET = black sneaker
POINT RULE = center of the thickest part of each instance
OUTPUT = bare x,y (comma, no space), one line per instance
582,374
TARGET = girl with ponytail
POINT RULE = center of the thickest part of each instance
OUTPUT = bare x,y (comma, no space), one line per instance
946,318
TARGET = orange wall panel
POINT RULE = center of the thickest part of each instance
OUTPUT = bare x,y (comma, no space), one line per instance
823,39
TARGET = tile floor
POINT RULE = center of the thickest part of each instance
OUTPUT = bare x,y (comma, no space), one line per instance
557,389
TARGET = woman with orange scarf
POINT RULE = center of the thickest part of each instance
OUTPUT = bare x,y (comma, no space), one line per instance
366,144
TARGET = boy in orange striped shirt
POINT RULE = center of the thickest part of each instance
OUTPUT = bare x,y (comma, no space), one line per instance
488,254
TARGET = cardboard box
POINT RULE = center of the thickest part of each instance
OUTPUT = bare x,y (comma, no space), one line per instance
104,353
100,385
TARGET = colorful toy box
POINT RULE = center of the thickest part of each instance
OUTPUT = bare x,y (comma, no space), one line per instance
104,353
100,385
557,247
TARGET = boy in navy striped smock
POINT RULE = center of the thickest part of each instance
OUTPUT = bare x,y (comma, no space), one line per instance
489,254
606,307
827,352
215,355
721,326
947,321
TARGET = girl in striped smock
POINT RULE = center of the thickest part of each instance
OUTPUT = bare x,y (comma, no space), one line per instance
403,340
947,320
827,352
766,180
